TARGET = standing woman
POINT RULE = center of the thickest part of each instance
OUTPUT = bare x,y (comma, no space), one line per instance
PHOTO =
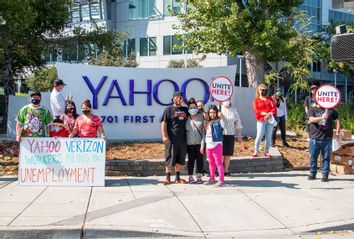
194,133
87,125
282,115
213,140
70,115
265,110
232,127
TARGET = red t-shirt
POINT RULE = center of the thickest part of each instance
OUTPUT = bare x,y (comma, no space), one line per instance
61,133
267,105
87,127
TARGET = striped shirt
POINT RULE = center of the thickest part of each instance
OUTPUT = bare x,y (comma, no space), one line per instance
232,121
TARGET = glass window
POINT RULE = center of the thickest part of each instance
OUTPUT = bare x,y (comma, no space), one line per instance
173,5
152,46
95,11
143,46
176,45
85,12
167,45
74,13
128,47
140,9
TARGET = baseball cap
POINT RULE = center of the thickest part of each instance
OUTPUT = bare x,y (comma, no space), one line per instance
59,82
313,87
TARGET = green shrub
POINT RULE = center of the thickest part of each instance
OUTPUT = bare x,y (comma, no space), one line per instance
297,117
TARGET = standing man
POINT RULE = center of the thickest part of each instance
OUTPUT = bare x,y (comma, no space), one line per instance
33,120
57,101
173,128
321,132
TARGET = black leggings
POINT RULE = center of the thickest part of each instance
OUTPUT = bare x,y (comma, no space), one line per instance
281,125
194,155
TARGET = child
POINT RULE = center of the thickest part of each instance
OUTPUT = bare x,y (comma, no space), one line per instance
213,140
59,129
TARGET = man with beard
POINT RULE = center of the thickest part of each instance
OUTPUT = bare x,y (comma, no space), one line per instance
173,128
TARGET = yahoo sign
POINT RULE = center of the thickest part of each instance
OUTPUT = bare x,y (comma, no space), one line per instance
130,101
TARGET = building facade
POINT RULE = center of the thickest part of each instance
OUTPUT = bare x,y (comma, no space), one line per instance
151,36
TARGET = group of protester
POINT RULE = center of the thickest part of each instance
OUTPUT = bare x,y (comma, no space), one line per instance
190,130
35,120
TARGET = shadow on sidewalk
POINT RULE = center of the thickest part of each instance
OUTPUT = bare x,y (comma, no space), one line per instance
8,179
271,175
101,233
262,183
131,182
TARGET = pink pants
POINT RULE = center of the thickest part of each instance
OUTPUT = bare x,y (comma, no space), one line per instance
215,159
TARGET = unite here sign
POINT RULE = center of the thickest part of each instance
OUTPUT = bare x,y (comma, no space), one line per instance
328,96
221,89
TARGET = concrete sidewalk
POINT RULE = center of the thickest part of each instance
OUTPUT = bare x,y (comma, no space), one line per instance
272,205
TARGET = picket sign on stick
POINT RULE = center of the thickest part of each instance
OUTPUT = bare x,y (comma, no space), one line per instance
328,96
62,162
221,88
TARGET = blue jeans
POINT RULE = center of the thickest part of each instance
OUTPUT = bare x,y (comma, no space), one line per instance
316,147
263,128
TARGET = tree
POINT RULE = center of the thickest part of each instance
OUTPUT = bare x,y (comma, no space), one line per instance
263,30
191,63
42,79
29,23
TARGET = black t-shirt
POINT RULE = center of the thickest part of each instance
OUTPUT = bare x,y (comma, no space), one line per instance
176,118
309,102
322,129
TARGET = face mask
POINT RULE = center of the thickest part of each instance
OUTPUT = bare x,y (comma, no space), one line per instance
69,110
36,101
264,92
86,112
193,111
57,129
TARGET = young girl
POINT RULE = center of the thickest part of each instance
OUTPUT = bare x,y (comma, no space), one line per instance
213,140
70,115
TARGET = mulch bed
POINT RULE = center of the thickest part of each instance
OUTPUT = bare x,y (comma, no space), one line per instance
295,157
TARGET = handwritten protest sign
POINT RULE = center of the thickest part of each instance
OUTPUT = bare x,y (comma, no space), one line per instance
328,96
62,162
221,89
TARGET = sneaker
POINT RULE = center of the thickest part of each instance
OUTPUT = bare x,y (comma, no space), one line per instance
267,155
191,179
166,181
220,184
285,144
210,182
181,181
312,176
324,178
227,174
199,180
255,155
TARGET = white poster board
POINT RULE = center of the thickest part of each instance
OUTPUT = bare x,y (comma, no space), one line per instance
62,162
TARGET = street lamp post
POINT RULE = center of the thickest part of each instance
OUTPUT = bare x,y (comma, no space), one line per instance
335,77
240,78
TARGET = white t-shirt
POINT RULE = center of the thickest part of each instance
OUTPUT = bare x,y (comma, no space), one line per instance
210,144
57,103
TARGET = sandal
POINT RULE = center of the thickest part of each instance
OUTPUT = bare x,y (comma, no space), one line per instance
267,155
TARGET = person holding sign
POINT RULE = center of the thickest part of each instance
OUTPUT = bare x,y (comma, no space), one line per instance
173,128
33,120
321,118
87,125
265,109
